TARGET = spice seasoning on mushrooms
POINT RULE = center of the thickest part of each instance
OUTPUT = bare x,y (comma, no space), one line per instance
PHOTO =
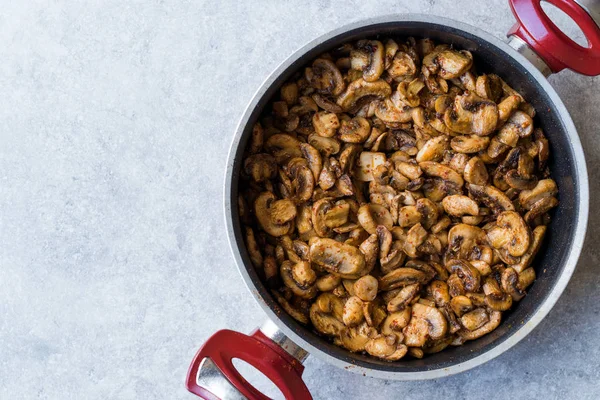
394,200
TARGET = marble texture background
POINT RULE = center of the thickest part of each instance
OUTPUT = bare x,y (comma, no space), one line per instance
115,122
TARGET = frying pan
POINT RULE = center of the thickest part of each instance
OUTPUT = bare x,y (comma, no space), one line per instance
536,48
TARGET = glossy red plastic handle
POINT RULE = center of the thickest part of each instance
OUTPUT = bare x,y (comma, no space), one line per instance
550,43
257,350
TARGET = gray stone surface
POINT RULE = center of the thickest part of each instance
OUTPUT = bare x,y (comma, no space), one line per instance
115,122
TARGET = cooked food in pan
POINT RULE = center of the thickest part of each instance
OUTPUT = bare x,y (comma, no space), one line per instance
394,199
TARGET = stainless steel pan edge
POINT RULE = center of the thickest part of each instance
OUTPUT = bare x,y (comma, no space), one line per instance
230,205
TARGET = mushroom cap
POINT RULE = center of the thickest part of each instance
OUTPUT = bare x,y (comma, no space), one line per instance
337,258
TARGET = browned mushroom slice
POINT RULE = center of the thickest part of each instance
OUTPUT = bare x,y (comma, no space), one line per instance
325,123
494,320
326,315
391,115
303,180
544,188
493,198
534,247
366,288
489,87
403,298
353,311
448,63
510,284
372,215
386,347
325,145
337,258
252,246
475,319
459,205
257,139
369,247
461,305
360,89
469,144
433,149
312,155
507,106
355,339
373,50
262,211
283,147
414,238
282,211
325,77
356,130
367,162
517,126
495,298
401,277
260,167
518,181
426,322
297,314
469,275
328,282
402,66
519,235
472,114
441,171
299,278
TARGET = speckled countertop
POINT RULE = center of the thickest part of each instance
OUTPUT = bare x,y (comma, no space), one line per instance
115,122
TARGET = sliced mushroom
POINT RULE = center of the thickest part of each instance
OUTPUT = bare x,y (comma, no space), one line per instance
337,258
461,305
489,87
472,114
468,274
373,51
507,106
517,126
337,215
356,130
510,284
495,298
459,205
402,67
353,311
325,123
372,215
260,167
426,322
366,288
299,278
395,322
297,314
433,149
326,145
469,144
283,147
401,277
493,198
544,188
526,277
359,89
440,292
475,319
367,162
325,77
448,64
536,242
328,282
494,320
262,211
414,238
326,315
441,171
403,298
282,211
519,236
386,347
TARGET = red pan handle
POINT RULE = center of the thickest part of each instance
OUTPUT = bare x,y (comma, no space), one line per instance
550,43
257,350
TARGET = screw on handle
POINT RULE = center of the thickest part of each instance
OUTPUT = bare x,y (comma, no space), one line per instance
257,350
558,50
